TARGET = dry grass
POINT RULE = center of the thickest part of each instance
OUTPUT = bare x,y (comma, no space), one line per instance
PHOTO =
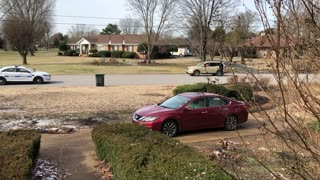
60,102
51,62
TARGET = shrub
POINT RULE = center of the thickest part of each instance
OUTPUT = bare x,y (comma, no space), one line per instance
94,55
136,152
63,47
75,54
230,92
199,87
93,51
117,54
69,52
18,151
129,55
163,55
104,53
60,53
314,126
244,90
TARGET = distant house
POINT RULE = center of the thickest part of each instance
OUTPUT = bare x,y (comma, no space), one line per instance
127,43
264,44
113,42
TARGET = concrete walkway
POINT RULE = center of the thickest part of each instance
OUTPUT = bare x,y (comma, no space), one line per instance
73,153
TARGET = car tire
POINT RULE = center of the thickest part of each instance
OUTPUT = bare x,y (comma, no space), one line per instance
231,123
3,81
169,128
38,80
196,73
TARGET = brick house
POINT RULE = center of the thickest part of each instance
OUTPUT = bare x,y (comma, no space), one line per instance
264,45
125,42
111,42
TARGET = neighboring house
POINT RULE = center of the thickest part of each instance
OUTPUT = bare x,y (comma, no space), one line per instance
112,42
124,42
265,44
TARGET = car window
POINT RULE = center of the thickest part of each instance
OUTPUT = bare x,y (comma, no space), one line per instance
175,102
21,70
197,104
215,102
200,65
214,64
9,70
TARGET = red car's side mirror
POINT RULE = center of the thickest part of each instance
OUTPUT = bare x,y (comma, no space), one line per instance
187,109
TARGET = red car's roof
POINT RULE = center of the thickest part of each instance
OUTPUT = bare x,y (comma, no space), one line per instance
196,94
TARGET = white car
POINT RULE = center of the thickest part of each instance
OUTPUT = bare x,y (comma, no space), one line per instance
22,74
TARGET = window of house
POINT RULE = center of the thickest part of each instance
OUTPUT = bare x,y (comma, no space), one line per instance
130,48
115,48
100,48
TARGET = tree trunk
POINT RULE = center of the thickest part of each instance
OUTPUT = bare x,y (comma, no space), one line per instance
242,56
24,58
204,49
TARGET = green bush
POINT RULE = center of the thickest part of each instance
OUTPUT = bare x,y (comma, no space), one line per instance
222,90
117,54
163,55
244,90
60,53
129,55
199,87
136,152
69,52
93,50
314,126
63,47
104,53
75,54
94,55
231,92
18,151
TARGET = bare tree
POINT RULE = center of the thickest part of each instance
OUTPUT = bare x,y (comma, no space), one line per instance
295,96
81,30
201,15
47,28
242,27
130,26
148,11
23,16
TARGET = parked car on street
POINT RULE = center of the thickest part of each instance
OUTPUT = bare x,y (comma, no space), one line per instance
22,74
209,67
192,111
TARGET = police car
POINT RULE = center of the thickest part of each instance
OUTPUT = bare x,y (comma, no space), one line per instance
22,74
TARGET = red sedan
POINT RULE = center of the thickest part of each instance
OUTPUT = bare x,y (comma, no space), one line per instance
192,111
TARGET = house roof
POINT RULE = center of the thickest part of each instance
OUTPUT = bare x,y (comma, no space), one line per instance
265,41
128,39
113,39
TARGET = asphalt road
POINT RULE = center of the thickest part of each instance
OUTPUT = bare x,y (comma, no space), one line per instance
142,79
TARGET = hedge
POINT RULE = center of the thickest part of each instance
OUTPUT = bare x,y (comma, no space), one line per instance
136,152
244,90
198,87
240,91
18,151
104,53
117,54
129,55
70,53
93,50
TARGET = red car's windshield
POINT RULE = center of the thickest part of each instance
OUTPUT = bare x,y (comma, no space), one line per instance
175,102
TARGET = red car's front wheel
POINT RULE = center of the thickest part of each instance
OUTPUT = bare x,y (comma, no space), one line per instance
170,128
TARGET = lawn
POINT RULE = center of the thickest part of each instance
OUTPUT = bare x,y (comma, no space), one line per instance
49,61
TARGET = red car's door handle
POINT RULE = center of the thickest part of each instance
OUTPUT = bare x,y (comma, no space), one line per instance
225,109
204,112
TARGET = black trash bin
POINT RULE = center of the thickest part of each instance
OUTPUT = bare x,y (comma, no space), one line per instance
100,79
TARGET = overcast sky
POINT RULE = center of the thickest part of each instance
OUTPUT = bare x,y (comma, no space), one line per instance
108,11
